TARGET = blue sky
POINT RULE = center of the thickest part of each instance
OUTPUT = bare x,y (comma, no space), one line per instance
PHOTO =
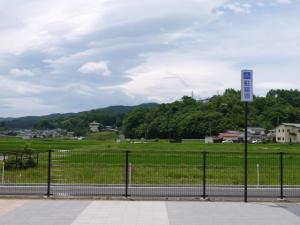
67,56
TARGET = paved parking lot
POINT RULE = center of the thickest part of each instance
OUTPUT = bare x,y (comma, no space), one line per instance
79,212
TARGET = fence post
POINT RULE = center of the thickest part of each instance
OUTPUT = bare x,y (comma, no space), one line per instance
49,173
3,171
281,175
204,175
126,172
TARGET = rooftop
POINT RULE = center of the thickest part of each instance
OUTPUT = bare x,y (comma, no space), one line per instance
94,123
292,124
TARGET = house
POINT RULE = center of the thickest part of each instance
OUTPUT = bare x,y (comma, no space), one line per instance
110,128
230,136
257,131
288,133
254,134
94,126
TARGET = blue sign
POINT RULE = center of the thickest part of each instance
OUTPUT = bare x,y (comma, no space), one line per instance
247,75
247,86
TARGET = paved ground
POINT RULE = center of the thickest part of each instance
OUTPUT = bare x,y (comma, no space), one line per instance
78,212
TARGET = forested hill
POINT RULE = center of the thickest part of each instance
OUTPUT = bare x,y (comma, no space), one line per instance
112,115
189,118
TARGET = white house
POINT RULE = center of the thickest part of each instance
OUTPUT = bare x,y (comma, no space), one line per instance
288,133
94,126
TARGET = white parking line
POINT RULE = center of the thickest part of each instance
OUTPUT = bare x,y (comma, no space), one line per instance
123,213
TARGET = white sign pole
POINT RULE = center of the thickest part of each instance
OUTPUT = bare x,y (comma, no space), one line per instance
246,97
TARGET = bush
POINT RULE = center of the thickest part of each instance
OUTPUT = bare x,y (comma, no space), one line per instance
25,163
29,163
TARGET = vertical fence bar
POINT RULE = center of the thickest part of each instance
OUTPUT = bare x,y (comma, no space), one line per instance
126,172
49,173
281,176
3,170
204,175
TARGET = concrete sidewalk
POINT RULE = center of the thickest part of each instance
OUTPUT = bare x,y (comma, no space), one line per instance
78,212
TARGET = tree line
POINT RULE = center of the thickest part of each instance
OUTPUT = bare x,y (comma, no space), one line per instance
189,118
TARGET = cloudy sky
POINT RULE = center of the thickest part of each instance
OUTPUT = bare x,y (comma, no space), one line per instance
73,55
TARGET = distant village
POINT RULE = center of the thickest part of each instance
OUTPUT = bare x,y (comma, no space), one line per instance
53,133
284,133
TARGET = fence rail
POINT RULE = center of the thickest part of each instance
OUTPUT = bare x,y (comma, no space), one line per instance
150,174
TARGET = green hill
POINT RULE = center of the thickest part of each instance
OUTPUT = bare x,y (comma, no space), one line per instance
108,116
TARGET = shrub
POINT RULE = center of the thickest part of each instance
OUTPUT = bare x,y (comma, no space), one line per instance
24,163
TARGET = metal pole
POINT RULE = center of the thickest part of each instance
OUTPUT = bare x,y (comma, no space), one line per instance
49,173
3,168
258,178
281,176
129,173
246,155
126,172
204,176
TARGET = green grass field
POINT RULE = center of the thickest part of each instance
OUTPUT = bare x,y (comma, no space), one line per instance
100,160
104,142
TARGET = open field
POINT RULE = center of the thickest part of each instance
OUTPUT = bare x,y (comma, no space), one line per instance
99,143
162,163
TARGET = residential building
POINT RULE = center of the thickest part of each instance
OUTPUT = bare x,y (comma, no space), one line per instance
254,134
94,126
257,131
288,133
229,136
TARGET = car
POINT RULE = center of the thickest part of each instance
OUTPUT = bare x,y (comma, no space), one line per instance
227,141
256,141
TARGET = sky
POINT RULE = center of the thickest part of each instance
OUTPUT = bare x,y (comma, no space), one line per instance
61,56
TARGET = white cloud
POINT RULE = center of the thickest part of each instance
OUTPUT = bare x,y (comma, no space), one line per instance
46,25
25,106
11,87
238,7
58,64
260,4
95,68
21,72
80,89
283,1
169,76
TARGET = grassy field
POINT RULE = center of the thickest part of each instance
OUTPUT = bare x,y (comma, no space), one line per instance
100,160
105,141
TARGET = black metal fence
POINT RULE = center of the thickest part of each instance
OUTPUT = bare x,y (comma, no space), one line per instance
150,174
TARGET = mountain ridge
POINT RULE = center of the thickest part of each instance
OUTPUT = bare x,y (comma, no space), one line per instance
26,122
